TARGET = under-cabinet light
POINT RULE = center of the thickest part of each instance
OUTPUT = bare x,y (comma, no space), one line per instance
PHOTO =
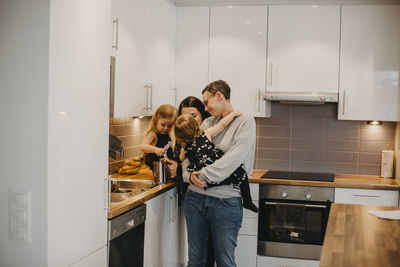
374,122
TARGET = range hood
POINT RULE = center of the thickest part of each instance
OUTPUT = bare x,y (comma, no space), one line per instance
302,98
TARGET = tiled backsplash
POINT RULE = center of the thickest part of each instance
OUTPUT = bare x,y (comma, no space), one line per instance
310,138
297,138
131,131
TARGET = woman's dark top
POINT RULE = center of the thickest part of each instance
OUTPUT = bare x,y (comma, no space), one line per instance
162,141
202,152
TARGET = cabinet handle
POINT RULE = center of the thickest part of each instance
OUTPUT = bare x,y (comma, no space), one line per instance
344,102
289,204
151,97
176,207
176,96
363,195
107,183
149,88
259,100
146,107
171,205
116,33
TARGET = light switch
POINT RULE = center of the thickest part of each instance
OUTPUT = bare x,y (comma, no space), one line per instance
19,215
19,233
18,200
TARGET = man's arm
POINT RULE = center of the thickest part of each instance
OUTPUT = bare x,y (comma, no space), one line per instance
243,141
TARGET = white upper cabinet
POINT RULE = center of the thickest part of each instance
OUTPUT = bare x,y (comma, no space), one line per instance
369,63
159,51
144,50
128,42
191,51
303,49
238,55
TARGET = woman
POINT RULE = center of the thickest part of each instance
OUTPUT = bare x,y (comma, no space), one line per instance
194,107
218,210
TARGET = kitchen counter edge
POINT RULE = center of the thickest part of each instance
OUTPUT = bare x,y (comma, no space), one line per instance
126,205
356,181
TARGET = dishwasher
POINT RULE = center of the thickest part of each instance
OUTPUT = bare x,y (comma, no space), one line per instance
126,238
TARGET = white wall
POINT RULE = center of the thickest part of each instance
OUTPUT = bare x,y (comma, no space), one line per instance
24,31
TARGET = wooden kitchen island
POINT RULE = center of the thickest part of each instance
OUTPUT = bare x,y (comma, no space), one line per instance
356,238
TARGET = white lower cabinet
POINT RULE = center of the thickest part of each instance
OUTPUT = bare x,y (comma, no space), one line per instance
246,251
284,262
96,259
161,235
366,197
249,227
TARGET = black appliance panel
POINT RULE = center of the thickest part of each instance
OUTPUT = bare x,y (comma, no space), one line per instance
310,176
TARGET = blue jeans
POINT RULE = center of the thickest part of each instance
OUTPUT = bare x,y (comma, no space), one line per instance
223,216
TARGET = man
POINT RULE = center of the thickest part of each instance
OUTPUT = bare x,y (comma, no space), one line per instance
218,209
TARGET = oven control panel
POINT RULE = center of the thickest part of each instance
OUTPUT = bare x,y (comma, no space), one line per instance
310,193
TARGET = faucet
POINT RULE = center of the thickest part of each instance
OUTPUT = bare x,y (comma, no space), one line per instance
114,146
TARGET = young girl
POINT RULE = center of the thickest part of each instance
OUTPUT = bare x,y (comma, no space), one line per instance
158,136
199,149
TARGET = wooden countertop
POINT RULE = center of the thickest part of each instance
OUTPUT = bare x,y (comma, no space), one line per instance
118,208
355,238
341,181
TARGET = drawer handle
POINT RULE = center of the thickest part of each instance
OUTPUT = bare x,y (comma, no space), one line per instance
116,21
362,195
290,204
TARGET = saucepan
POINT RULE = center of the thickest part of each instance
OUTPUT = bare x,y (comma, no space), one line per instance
160,172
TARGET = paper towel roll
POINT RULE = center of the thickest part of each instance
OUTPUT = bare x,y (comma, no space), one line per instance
387,163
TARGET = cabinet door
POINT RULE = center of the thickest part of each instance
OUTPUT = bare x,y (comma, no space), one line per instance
129,92
238,55
173,235
191,51
366,197
159,51
246,251
97,259
303,48
77,130
161,240
369,63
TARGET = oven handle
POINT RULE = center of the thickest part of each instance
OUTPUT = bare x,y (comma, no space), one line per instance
289,204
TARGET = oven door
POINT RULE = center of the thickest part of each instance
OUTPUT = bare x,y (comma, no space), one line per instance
292,228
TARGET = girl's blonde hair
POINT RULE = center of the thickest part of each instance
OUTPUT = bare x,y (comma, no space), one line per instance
166,111
186,129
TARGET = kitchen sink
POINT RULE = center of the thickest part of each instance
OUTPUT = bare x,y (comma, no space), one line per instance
128,188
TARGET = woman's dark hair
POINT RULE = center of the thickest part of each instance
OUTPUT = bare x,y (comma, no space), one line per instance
194,102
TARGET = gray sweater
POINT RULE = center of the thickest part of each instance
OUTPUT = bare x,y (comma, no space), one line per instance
238,142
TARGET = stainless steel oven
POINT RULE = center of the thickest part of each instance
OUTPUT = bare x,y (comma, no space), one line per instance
292,220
